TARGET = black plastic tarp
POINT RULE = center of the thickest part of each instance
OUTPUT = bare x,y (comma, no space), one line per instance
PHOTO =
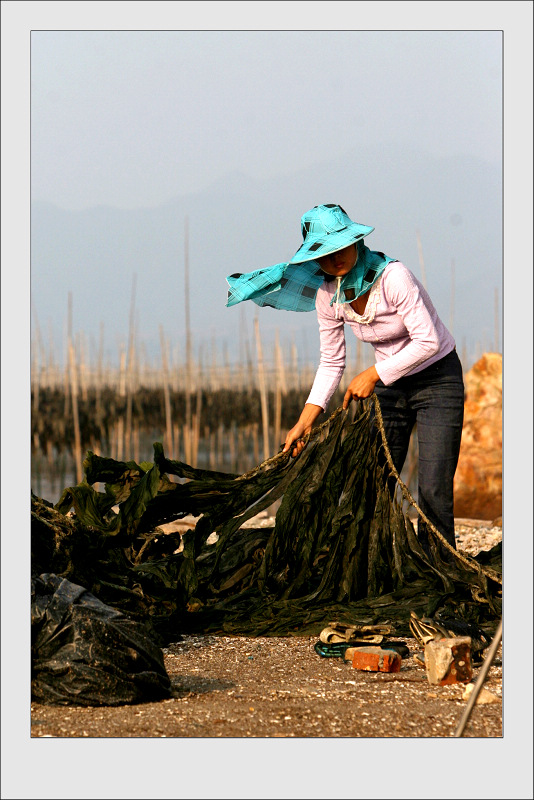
86,653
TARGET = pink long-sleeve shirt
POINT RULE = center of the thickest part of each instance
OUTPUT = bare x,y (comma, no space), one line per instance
405,331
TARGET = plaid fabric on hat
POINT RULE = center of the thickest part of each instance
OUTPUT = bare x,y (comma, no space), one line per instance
293,287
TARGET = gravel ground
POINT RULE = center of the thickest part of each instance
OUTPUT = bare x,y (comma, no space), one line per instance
279,687
240,687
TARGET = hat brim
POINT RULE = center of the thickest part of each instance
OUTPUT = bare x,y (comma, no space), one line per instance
330,242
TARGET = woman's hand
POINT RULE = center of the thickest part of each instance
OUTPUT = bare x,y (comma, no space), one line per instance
363,385
301,429
295,435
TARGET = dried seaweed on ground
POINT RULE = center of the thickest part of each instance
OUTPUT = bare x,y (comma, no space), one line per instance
341,547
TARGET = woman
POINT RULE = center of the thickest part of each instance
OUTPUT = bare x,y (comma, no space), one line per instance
417,376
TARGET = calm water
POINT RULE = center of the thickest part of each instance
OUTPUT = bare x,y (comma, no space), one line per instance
50,477
48,480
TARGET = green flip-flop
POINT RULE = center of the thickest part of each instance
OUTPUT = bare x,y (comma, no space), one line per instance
338,649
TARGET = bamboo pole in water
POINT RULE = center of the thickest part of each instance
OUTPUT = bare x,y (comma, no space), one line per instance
214,374
74,397
99,371
169,450
232,447
120,420
210,436
295,364
226,361
35,383
263,390
242,466
136,448
82,350
280,391
35,369
220,453
129,371
200,383
243,349
188,430
176,440
248,365
66,387
196,427
255,443
49,359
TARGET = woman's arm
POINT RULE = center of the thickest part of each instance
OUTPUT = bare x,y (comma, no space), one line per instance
415,309
333,352
328,375
304,425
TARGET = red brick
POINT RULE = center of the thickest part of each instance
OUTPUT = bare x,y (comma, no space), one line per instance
376,659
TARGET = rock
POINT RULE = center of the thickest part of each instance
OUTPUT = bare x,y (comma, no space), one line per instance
484,696
448,660
478,479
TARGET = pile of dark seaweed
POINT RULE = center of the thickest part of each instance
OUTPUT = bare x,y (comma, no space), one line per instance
341,548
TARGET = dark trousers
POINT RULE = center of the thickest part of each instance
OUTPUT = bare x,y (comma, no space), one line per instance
434,400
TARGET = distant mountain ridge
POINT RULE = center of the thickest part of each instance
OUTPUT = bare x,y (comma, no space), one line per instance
239,224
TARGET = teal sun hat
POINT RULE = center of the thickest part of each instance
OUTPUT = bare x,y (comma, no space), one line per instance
327,229
293,285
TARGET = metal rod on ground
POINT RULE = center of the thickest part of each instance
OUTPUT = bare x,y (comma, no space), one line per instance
488,661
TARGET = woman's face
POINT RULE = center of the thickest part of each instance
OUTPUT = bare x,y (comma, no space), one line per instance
341,262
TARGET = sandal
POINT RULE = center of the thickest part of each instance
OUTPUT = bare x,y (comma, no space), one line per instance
341,632
338,649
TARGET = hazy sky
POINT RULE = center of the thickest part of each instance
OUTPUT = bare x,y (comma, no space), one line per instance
133,118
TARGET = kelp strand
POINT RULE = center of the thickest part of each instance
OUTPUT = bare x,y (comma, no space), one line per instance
341,546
